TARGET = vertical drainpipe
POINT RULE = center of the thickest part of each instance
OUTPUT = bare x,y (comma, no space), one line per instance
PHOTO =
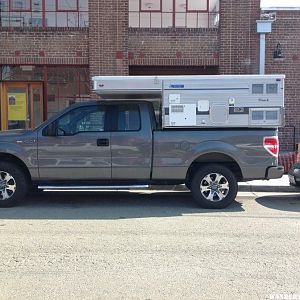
262,53
263,27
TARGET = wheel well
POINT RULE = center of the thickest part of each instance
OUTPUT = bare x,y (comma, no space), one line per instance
17,161
214,158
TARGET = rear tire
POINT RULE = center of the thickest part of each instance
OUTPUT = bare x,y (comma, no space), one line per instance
14,184
214,186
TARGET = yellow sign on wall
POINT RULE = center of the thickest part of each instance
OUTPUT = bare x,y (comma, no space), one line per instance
17,110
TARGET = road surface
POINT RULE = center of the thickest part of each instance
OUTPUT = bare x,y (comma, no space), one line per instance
144,245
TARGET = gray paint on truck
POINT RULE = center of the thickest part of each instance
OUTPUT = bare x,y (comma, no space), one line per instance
146,155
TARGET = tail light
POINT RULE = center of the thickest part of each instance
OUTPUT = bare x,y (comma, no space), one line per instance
271,144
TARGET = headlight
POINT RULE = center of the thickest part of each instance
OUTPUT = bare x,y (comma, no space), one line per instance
296,170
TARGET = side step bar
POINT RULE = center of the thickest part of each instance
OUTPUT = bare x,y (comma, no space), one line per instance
93,188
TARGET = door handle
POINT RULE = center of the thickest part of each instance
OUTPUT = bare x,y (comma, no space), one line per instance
102,142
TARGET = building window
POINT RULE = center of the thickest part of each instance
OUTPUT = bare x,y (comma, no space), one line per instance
64,85
152,5
44,13
197,6
67,5
174,13
20,5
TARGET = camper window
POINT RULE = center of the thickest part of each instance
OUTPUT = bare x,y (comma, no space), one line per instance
257,88
272,88
272,115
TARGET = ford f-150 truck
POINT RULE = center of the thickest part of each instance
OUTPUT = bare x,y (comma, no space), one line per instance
118,144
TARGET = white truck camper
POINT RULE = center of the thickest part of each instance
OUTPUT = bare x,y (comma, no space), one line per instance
204,101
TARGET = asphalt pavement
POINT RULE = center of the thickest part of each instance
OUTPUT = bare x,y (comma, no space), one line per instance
150,245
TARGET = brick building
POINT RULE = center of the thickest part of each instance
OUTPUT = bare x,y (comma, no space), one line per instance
49,49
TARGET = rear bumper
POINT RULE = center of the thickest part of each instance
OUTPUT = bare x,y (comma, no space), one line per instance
274,172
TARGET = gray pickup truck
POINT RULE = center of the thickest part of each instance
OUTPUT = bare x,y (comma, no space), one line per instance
119,144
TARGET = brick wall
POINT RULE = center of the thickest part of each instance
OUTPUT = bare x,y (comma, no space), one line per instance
108,41
239,54
44,46
110,47
173,47
239,43
286,31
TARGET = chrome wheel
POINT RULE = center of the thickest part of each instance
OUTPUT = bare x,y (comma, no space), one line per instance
7,185
214,187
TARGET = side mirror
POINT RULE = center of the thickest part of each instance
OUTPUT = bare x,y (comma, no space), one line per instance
50,130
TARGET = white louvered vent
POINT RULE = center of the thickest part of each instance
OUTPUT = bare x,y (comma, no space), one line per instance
177,108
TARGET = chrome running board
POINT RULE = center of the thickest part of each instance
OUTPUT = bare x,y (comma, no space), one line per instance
92,188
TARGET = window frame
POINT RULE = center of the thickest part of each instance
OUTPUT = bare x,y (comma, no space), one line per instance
10,7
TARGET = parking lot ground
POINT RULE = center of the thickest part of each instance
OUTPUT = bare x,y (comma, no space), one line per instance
149,245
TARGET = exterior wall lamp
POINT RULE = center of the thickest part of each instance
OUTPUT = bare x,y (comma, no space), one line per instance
278,52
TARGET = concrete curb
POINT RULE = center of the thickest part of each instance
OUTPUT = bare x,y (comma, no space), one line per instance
268,189
242,188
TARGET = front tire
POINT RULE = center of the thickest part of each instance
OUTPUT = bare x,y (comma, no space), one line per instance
14,184
214,186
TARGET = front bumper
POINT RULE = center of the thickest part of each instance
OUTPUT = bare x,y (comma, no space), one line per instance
274,172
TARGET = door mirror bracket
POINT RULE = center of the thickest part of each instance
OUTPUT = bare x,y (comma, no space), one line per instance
50,130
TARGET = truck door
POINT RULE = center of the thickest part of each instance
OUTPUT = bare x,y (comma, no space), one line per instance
131,142
80,149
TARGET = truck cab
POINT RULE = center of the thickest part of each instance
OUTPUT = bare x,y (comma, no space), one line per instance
99,141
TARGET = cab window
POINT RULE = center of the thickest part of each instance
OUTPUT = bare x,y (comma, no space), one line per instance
83,119
128,117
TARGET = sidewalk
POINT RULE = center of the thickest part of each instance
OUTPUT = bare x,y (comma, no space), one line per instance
273,185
